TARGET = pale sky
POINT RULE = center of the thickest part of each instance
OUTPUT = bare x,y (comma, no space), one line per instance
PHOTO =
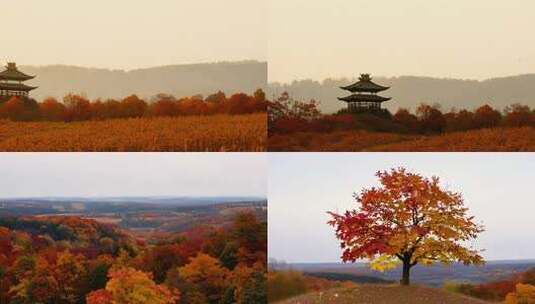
132,174
128,34
475,39
302,187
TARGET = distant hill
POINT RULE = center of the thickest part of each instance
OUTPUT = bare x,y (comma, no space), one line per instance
178,80
409,91
428,275
383,294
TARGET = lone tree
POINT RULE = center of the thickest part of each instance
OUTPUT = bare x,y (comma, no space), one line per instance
408,220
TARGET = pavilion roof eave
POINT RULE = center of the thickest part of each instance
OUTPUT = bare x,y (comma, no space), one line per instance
364,87
14,75
364,98
16,87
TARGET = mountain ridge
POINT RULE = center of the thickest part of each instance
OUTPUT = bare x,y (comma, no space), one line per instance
180,80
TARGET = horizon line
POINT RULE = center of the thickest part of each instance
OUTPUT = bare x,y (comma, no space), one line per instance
363,263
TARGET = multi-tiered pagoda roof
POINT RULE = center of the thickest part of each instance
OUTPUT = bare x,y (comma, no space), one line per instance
11,82
364,94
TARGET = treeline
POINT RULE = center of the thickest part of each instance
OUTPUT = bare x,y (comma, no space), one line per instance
287,115
285,284
101,265
78,108
517,289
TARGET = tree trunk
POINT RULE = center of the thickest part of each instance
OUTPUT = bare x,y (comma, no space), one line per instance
405,278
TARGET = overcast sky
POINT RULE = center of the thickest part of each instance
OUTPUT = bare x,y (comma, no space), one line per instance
497,188
132,174
474,39
129,34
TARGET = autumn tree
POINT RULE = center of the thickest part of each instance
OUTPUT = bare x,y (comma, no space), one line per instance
131,286
161,258
52,110
405,118
518,115
133,106
164,106
19,109
431,118
249,284
524,294
410,220
287,114
205,275
486,117
77,107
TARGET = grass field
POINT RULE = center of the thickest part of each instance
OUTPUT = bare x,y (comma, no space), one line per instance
383,294
501,139
192,133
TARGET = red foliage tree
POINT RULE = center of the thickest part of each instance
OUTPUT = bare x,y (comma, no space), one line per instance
133,106
408,220
430,118
518,115
486,117
77,108
52,110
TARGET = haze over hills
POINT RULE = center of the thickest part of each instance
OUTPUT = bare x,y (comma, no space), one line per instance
159,200
178,80
165,213
410,91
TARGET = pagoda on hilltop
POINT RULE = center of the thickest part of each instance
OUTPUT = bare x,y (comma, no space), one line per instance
364,95
11,82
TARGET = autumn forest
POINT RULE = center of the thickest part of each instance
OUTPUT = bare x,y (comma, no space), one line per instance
77,259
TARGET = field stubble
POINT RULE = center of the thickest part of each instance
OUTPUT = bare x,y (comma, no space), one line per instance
192,133
499,139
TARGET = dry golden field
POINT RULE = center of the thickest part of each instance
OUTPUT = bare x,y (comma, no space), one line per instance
499,139
191,133
348,141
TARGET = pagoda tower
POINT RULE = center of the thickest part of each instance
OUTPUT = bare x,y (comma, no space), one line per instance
11,82
364,95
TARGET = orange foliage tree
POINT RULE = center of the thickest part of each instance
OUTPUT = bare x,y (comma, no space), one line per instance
131,286
207,275
524,294
408,220
52,110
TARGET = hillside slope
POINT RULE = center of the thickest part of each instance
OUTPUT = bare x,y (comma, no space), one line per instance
383,294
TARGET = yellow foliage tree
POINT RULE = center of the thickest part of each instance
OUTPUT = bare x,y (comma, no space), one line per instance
408,220
130,286
206,273
524,294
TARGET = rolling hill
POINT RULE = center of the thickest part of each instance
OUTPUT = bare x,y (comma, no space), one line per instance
383,294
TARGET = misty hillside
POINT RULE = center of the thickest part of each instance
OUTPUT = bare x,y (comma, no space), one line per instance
409,91
178,80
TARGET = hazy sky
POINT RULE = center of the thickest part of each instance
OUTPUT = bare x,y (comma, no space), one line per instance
497,188
132,174
132,33
473,39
